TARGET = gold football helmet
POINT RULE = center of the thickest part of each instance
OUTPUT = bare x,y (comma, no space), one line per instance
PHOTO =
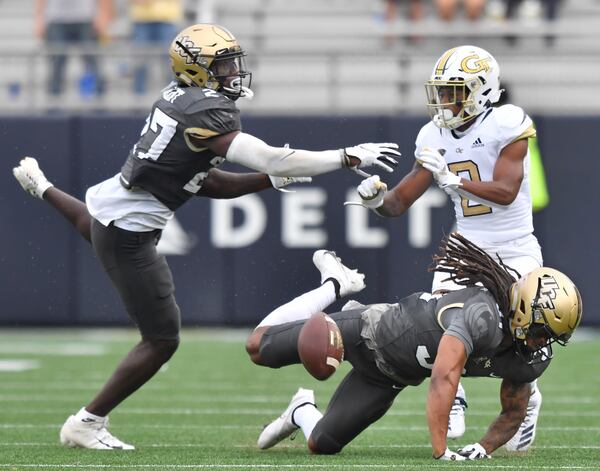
546,307
209,56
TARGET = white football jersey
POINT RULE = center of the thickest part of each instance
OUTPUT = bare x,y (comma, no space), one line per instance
472,155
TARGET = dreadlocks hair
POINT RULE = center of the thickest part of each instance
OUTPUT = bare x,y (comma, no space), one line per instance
468,265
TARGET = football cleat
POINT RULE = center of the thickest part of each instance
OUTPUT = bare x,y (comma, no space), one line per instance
89,433
284,425
523,439
456,419
346,281
31,177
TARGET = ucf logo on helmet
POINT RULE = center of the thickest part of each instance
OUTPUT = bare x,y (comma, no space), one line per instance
548,289
189,44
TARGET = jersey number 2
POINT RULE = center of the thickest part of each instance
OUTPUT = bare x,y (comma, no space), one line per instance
471,168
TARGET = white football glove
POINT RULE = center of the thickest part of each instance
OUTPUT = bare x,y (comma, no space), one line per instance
434,161
450,456
474,452
372,191
379,154
279,182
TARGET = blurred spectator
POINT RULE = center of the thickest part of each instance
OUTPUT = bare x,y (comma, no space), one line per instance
155,23
550,7
415,12
533,9
415,9
64,22
447,9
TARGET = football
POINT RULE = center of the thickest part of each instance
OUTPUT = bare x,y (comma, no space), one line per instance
320,346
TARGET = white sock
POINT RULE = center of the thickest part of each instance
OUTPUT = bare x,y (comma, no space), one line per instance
83,414
460,392
302,307
306,417
533,386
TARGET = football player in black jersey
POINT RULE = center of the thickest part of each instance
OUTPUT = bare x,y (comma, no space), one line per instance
193,126
495,327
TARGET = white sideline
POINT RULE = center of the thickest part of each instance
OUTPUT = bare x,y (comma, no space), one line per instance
252,447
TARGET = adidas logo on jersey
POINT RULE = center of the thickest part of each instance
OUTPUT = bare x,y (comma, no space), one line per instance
477,143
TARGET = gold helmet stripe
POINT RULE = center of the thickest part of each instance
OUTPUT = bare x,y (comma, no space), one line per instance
440,67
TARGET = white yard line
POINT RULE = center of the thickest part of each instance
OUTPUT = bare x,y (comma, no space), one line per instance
266,412
15,365
50,349
253,447
374,428
196,398
279,466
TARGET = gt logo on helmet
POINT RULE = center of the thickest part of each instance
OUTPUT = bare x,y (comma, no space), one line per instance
478,65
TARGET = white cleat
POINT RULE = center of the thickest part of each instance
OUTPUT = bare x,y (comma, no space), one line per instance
331,267
284,425
31,177
92,434
523,439
456,419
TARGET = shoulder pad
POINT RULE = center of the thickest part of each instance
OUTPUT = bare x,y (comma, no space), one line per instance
424,133
513,123
510,116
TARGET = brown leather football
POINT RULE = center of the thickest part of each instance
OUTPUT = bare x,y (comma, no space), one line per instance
320,346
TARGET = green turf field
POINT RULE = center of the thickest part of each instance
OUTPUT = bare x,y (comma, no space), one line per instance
206,409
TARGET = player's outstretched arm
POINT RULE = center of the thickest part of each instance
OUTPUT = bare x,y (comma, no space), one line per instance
251,152
224,185
513,398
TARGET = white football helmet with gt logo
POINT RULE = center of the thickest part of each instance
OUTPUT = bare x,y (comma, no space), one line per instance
467,76
546,307
209,56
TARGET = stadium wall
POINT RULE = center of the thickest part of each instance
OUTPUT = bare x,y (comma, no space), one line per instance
234,261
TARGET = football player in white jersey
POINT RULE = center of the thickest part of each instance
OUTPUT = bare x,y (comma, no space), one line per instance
478,154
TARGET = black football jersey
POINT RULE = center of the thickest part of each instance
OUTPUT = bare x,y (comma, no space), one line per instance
405,336
165,162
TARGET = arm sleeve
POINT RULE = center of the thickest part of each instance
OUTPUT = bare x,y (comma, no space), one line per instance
256,154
